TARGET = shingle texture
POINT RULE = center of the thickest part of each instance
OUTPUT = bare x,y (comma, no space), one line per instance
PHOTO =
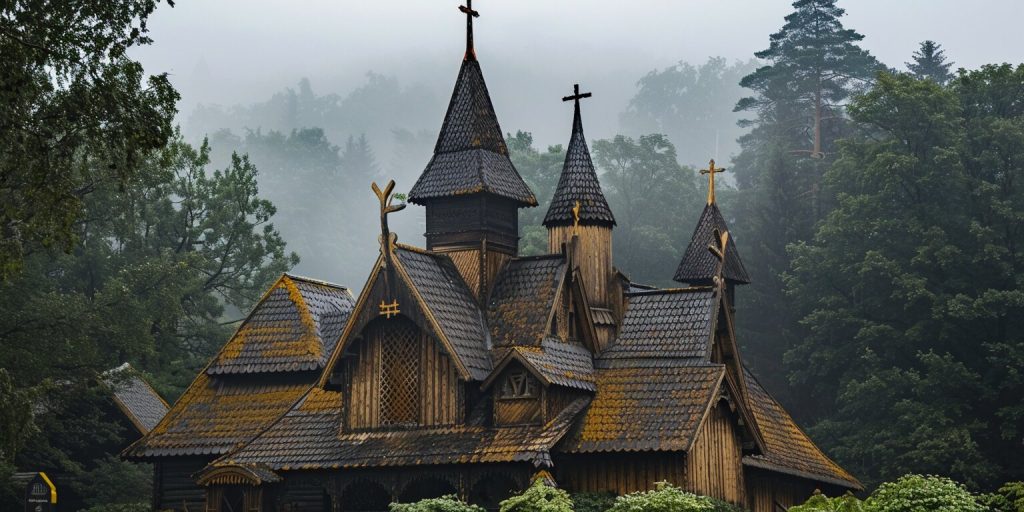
699,265
563,364
137,398
578,183
451,303
643,407
788,449
665,324
294,328
215,415
523,298
307,438
470,155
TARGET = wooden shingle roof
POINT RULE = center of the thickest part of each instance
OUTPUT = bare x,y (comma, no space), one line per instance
136,398
523,298
293,328
698,265
307,438
555,362
470,155
788,448
578,183
672,323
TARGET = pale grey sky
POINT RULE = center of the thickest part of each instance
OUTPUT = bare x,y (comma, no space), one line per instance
241,51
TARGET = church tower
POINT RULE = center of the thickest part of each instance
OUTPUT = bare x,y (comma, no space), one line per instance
699,265
580,221
471,190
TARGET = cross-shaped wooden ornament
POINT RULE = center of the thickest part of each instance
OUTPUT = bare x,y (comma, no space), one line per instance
470,14
711,171
576,96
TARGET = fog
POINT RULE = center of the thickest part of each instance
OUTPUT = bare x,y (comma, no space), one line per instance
238,66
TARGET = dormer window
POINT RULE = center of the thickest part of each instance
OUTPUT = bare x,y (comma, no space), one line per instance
519,384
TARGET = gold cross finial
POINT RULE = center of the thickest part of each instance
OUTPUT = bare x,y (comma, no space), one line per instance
711,171
470,14
576,216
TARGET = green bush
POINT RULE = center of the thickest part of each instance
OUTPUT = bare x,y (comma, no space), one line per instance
917,493
664,498
448,503
592,501
821,503
538,498
1009,498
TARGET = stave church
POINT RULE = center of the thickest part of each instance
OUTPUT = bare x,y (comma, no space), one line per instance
463,368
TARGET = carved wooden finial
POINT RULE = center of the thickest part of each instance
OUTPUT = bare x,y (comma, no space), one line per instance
576,217
387,243
470,14
711,171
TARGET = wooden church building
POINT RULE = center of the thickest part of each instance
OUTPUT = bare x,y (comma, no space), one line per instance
463,368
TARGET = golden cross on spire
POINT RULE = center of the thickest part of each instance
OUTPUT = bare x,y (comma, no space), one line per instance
711,171
470,14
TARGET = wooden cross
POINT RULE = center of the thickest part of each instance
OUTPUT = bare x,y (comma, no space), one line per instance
711,171
576,95
387,242
470,14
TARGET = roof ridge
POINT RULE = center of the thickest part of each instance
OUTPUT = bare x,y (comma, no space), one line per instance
316,281
668,291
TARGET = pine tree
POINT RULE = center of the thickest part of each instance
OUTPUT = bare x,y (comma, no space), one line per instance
358,163
930,63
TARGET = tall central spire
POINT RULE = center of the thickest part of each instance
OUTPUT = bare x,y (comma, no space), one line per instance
470,14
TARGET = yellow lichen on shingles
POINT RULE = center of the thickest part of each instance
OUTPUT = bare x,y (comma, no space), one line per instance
309,339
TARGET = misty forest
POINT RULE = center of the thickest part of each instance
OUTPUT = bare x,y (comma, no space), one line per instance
878,206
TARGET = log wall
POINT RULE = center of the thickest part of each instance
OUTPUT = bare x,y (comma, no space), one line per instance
715,461
173,485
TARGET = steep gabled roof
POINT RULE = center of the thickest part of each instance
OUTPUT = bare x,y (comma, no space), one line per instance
645,406
698,265
673,323
523,299
554,362
787,448
136,398
449,302
294,327
578,183
470,155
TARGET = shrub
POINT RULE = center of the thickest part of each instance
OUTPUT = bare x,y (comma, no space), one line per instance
539,497
917,493
821,503
448,503
664,498
592,501
1009,498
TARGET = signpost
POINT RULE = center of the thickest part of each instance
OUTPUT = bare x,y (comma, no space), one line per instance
40,494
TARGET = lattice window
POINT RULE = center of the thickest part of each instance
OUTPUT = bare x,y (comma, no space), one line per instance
519,384
400,375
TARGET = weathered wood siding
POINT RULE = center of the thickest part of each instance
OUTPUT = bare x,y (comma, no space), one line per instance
421,376
619,473
479,268
173,485
593,255
773,492
715,461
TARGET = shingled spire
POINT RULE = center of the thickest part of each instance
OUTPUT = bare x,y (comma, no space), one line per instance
699,266
470,188
578,182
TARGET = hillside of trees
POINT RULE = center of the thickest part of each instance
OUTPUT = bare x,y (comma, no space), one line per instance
878,209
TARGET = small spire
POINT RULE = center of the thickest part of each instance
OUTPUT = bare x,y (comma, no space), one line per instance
711,171
470,14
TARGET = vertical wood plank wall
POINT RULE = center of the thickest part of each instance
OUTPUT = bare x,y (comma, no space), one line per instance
439,388
175,488
620,473
469,261
715,462
593,255
767,492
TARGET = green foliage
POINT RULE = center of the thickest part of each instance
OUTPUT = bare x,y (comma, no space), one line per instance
442,504
16,423
541,171
76,114
592,501
908,290
930,63
821,503
121,507
1009,498
692,106
539,497
916,493
656,203
665,498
